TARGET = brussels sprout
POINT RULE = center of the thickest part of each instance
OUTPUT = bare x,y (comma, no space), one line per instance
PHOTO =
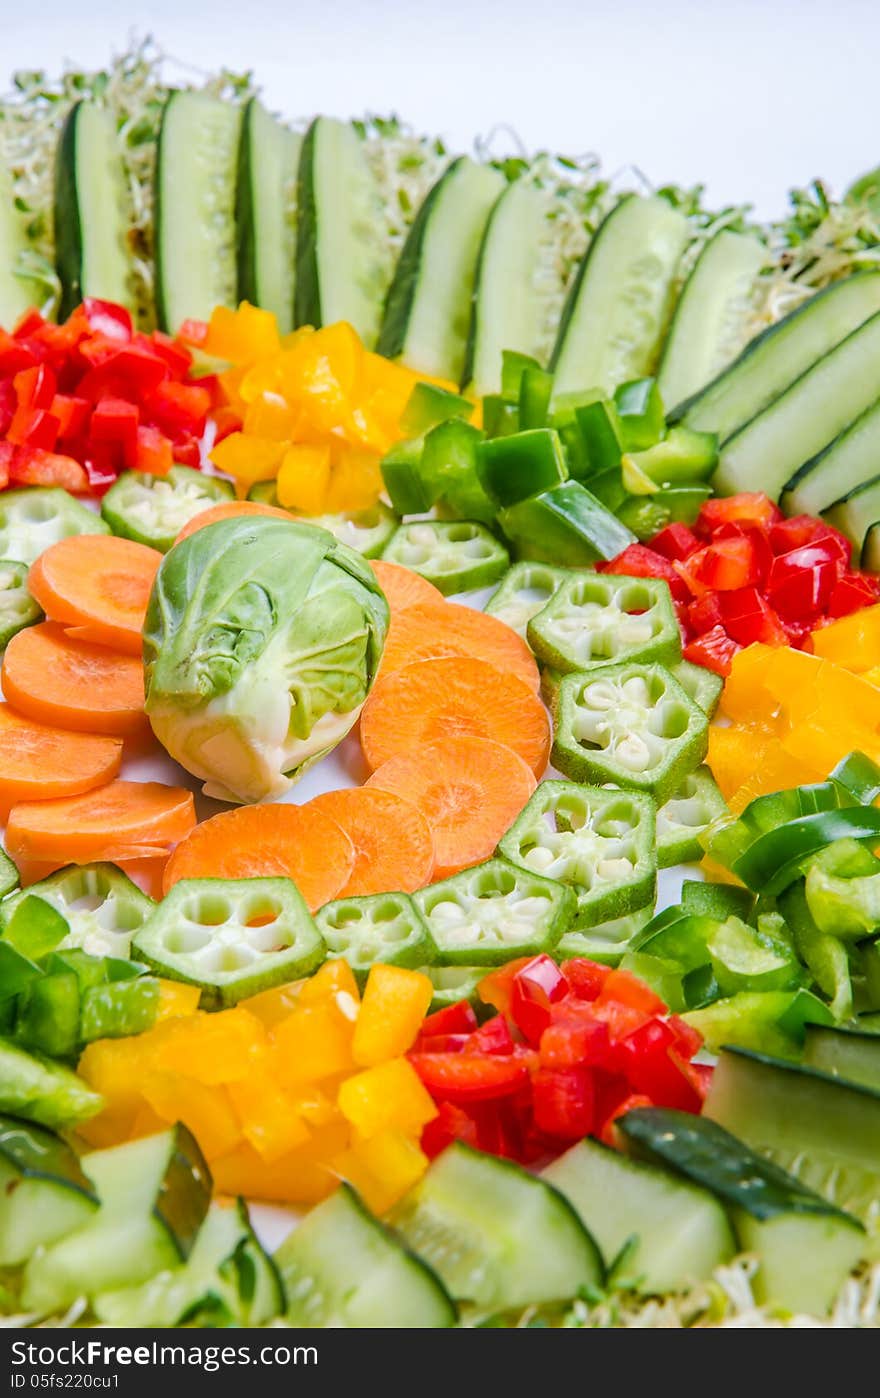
261,641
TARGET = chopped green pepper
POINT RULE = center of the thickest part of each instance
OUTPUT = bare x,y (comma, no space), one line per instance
646,515
17,607
848,908
825,955
384,927
640,409
33,926
513,468
36,516
513,365
717,900
566,525
47,1017
601,435
231,937
860,775
703,685
663,977
678,937
428,405
101,906
682,457
493,912
525,590
500,417
599,619
118,1009
401,473
152,510
685,815
752,1019
535,392
599,843
752,958
448,469
629,724
16,972
776,858
456,556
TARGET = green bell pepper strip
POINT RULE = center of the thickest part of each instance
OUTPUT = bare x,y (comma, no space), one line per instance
34,517
599,843
640,409
152,510
777,808
608,942
846,859
717,900
684,456
703,685
860,775
752,958
17,607
513,468
101,906
535,392
494,912
47,1017
685,815
454,983
513,365
16,972
34,927
428,405
89,970
599,619
601,434
805,1008
449,471
8,875
525,590
677,937
118,1009
751,1019
663,977
381,927
500,417
565,525
825,955
848,908
455,555
775,859
401,474
700,988
630,724
646,515
231,937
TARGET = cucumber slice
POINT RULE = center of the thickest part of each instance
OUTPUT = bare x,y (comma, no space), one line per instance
844,1053
91,217
34,517
857,512
767,452
870,558
678,1233
509,311
455,555
152,510
37,1089
708,328
18,292
428,309
383,927
780,355
343,1270
497,1236
17,607
806,1247
850,461
341,272
619,304
265,212
196,160
43,1192
524,592
102,907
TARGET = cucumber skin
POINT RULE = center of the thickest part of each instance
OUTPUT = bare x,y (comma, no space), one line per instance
158,258
307,286
470,348
400,298
244,215
68,228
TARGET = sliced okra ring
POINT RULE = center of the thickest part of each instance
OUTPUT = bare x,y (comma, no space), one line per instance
702,685
17,607
367,531
493,912
524,592
382,927
102,907
683,818
455,555
598,619
231,937
632,725
608,942
34,517
599,843
454,983
152,510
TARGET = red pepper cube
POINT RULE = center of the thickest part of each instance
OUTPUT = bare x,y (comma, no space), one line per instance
115,420
465,1078
675,542
176,356
626,989
14,356
193,332
7,453
749,507
801,582
153,452
492,1037
714,650
35,387
564,1102
33,427
28,324
496,988
852,592
187,451
450,1124
687,1040
535,987
722,566
178,409
107,318
748,617
571,1041
704,613
629,1103
73,416
452,1019
441,1043
639,561
652,1066
585,978
130,372
34,466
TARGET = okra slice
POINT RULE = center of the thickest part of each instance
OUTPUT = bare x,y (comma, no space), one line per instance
599,619
36,516
17,607
367,531
454,983
102,907
152,510
382,927
685,815
231,937
703,685
609,942
632,725
600,844
525,591
455,555
493,912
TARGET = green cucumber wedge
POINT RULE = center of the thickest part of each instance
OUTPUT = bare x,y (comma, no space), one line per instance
91,219
779,355
341,269
43,1091
268,159
837,473
845,1053
509,311
855,514
708,328
620,301
196,167
428,310
18,291
44,1193
871,549
765,453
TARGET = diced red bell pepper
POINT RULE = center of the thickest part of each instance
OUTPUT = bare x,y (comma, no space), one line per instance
34,466
535,987
115,420
629,1103
496,988
627,989
176,356
748,617
226,421
8,405
722,566
620,1020
763,554
187,451
35,387
33,427
29,323
452,1019
72,414
571,1040
441,1043
492,1037
564,1102
464,1078
800,530
130,372
704,613
7,452
675,542
687,1040
714,650
108,318
586,978
193,332
100,467
639,561
852,592
153,452
451,1123
651,1065
178,408
14,356
801,582
753,508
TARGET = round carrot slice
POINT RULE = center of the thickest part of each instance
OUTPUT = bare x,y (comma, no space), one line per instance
97,582
38,762
120,820
469,790
295,842
435,630
402,587
437,699
230,509
53,678
393,845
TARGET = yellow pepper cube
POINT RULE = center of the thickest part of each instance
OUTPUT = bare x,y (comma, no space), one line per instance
853,641
249,459
268,1116
243,334
355,479
111,1127
212,1048
388,1097
296,1178
395,1003
207,1111
314,1042
175,999
114,1067
270,1007
333,977
270,416
383,1169
303,478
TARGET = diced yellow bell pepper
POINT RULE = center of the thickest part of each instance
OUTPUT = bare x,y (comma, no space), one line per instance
297,1178
243,334
270,416
355,480
735,752
176,998
315,1105
267,1116
394,1004
205,1110
383,1168
272,1006
872,676
304,479
110,1127
146,1122
313,1043
248,459
333,976
818,744
212,1048
853,641
114,1068
389,1097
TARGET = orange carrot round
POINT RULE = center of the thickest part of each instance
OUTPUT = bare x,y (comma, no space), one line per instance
99,583
296,842
53,678
38,762
402,587
393,844
469,790
435,630
230,509
120,820
437,699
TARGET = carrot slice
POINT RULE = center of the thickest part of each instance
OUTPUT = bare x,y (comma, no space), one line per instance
121,819
98,582
402,587
469,790
435,630
438,699
53,678
296,842
393,844
230,509
38,763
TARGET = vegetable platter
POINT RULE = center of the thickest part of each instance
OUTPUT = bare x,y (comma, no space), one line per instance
440,735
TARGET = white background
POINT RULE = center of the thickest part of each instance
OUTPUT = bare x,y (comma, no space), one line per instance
748,96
